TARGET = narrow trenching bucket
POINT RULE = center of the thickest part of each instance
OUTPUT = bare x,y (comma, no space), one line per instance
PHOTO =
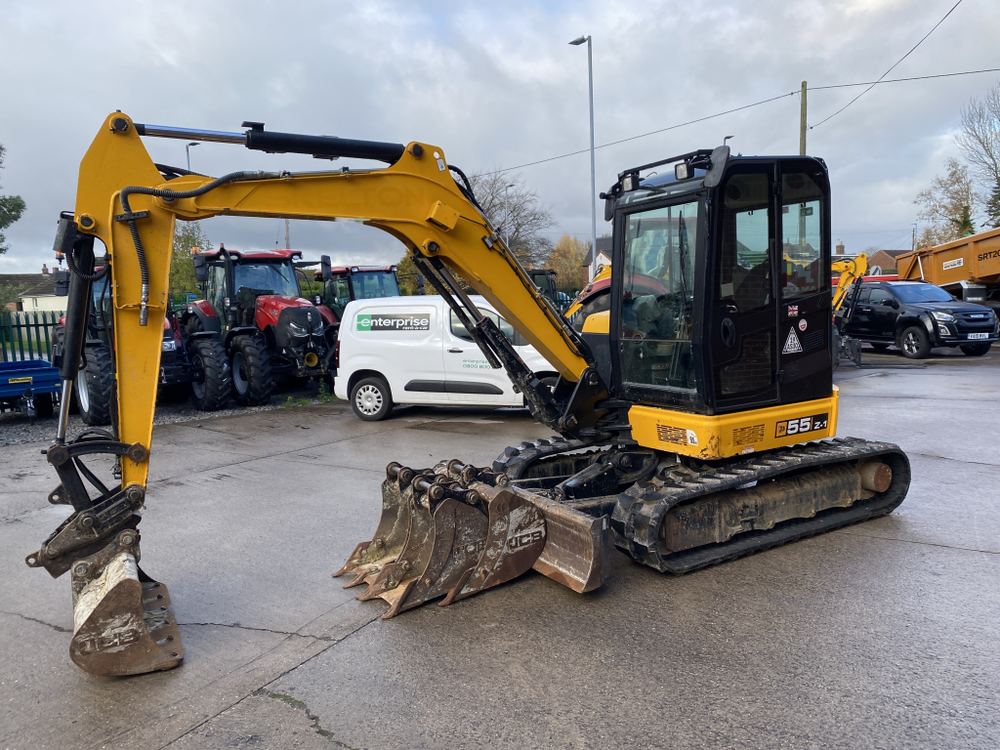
123,621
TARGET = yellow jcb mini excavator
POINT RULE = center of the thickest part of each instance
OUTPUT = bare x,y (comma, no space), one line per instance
683,412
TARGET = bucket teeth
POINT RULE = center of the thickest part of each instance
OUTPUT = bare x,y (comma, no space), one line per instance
124,622
369,558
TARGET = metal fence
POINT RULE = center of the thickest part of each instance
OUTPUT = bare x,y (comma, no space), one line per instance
27,335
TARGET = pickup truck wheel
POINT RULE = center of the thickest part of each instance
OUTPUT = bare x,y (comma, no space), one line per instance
972,350
914,344
371,399
208,357
251,366
95,387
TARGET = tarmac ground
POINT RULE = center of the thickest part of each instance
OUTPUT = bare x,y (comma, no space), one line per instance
880,635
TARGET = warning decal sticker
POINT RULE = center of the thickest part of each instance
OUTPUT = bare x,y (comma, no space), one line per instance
792,344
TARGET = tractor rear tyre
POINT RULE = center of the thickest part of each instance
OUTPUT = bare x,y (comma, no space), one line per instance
95,386
914,344
251,367
976,350
208,357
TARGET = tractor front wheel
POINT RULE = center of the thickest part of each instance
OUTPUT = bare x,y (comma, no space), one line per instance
208,357
251,367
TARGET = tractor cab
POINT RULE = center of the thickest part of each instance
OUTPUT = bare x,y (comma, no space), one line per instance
342,284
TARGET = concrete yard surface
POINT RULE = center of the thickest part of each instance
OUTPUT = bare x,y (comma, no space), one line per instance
879,635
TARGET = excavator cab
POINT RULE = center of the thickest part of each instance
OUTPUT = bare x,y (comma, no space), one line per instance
708,316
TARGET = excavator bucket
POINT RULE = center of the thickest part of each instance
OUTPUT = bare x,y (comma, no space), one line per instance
467,530
123,621
513,543
370,557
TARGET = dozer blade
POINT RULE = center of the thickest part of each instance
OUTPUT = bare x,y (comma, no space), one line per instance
370,557
123,621
515,539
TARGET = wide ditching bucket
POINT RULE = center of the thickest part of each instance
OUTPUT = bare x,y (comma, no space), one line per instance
450,532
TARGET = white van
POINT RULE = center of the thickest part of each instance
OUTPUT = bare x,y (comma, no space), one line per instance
415,350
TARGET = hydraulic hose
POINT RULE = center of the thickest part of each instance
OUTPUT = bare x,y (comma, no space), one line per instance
169,195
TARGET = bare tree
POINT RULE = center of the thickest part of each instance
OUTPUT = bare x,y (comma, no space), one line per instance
948,204
527,219
980,144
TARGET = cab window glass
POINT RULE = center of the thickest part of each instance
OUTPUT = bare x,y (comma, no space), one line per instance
216,288
801,227
658,296
878,296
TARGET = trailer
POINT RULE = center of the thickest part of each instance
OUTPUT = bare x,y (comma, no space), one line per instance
29,386
968,268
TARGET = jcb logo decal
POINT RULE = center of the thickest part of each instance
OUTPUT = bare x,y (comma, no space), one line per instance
525,539
801,425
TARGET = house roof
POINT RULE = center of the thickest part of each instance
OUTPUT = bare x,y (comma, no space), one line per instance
20,280
603,246
45,288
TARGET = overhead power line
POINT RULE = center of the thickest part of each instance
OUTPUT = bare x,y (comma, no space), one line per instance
747,106
813,127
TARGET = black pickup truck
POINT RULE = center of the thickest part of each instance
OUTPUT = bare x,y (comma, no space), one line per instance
917,316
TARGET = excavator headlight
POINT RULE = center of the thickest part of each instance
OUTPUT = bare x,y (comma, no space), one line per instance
682,171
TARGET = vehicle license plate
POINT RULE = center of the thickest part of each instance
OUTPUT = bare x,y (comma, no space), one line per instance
979,335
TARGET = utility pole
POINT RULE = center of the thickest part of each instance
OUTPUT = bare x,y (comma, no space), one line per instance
802,152
802,121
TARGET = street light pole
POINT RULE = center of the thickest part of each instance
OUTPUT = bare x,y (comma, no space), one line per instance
593,168
187,150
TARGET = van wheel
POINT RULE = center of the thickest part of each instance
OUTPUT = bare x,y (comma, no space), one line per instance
976,350
913,341
371,399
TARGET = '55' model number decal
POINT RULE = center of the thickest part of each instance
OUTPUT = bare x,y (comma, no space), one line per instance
801,425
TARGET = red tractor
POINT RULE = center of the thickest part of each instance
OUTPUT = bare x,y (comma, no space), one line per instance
341,284
254,301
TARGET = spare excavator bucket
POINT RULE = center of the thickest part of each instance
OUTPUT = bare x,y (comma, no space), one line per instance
123,621
457,530
370,557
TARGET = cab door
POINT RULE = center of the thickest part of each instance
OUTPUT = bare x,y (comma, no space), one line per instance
742,334
805,369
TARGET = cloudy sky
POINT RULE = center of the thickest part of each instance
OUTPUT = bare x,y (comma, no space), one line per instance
497,87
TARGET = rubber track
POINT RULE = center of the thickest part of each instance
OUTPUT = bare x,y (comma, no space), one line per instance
640,511
514,461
